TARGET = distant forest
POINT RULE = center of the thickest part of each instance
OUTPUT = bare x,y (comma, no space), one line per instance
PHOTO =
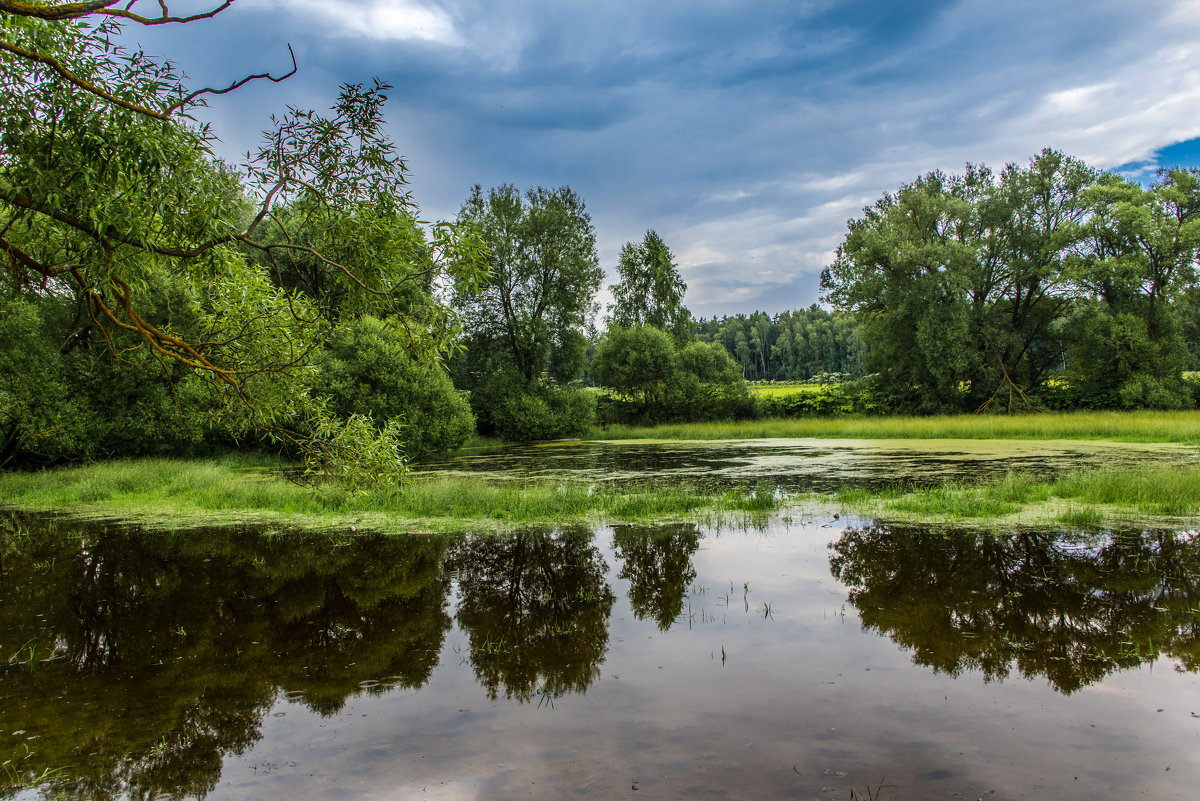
792,346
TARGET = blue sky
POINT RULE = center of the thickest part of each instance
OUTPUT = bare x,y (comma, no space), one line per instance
745,133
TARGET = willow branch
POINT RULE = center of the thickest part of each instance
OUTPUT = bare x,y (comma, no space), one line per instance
84,227
69,11
55,13
235,85
71,77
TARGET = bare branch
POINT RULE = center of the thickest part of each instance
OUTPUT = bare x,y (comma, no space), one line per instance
166,17
235,85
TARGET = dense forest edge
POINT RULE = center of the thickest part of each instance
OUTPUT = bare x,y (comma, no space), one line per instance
159,302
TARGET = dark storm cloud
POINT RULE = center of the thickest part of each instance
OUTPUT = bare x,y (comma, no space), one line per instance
746,133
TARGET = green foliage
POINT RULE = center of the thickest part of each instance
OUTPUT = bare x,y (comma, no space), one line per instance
656,383
76,401
515,410
792,346
710,386
366,370
543,276
108,192
973,290
639,363
651,290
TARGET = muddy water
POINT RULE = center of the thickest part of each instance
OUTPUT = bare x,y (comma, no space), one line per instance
801,465
785,661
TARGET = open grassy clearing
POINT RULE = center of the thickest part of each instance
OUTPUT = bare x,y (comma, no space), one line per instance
1181,427
781,389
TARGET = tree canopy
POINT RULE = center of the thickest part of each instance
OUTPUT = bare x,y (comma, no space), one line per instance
543,274
108,187
975,289
651,289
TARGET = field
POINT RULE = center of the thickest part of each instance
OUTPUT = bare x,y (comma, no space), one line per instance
1181,427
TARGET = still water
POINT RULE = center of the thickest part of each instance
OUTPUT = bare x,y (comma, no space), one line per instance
801,465
777,659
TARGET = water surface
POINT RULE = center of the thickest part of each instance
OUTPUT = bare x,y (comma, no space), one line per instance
801,465
675,661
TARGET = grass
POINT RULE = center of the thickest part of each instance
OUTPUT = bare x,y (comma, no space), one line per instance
1181,427
251,489
1080,499
783,388
235,489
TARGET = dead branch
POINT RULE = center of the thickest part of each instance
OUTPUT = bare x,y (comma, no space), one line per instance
235,85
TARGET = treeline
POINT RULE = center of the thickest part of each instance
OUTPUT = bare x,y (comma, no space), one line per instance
1046,285
792,346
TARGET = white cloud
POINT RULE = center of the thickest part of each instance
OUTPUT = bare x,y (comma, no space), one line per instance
378,19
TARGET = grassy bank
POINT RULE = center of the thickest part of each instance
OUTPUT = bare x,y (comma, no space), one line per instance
233,489
1181,427
1169,495
239,489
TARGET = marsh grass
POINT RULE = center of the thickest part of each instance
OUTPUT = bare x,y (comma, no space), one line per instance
1081,498
238,488
1182,427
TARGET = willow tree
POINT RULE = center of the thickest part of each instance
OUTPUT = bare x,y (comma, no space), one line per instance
108,185
958,281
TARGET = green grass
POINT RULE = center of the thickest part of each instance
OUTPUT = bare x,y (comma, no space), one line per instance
240,488
187,492
782,389
1182,427
1083,499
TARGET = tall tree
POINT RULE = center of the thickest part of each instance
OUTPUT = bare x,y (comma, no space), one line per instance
957,281
651,290
544,274
107,187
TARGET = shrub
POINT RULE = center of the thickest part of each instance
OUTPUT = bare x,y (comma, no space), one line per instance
366,370
512,409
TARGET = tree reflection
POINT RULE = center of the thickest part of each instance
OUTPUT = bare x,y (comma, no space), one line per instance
142,660
1070,608
535,608
657,562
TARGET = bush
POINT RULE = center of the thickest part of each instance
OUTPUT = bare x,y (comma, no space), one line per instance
367,370
654,383
512,409
76,401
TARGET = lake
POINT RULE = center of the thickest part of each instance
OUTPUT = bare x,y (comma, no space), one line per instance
803,659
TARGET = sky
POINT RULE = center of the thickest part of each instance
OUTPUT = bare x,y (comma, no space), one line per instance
745,133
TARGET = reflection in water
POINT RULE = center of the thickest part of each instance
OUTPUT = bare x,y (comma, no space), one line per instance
1072,609
535,607
142,660
658,566
148,663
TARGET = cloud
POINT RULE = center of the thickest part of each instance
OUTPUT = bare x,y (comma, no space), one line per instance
747,133
380,20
